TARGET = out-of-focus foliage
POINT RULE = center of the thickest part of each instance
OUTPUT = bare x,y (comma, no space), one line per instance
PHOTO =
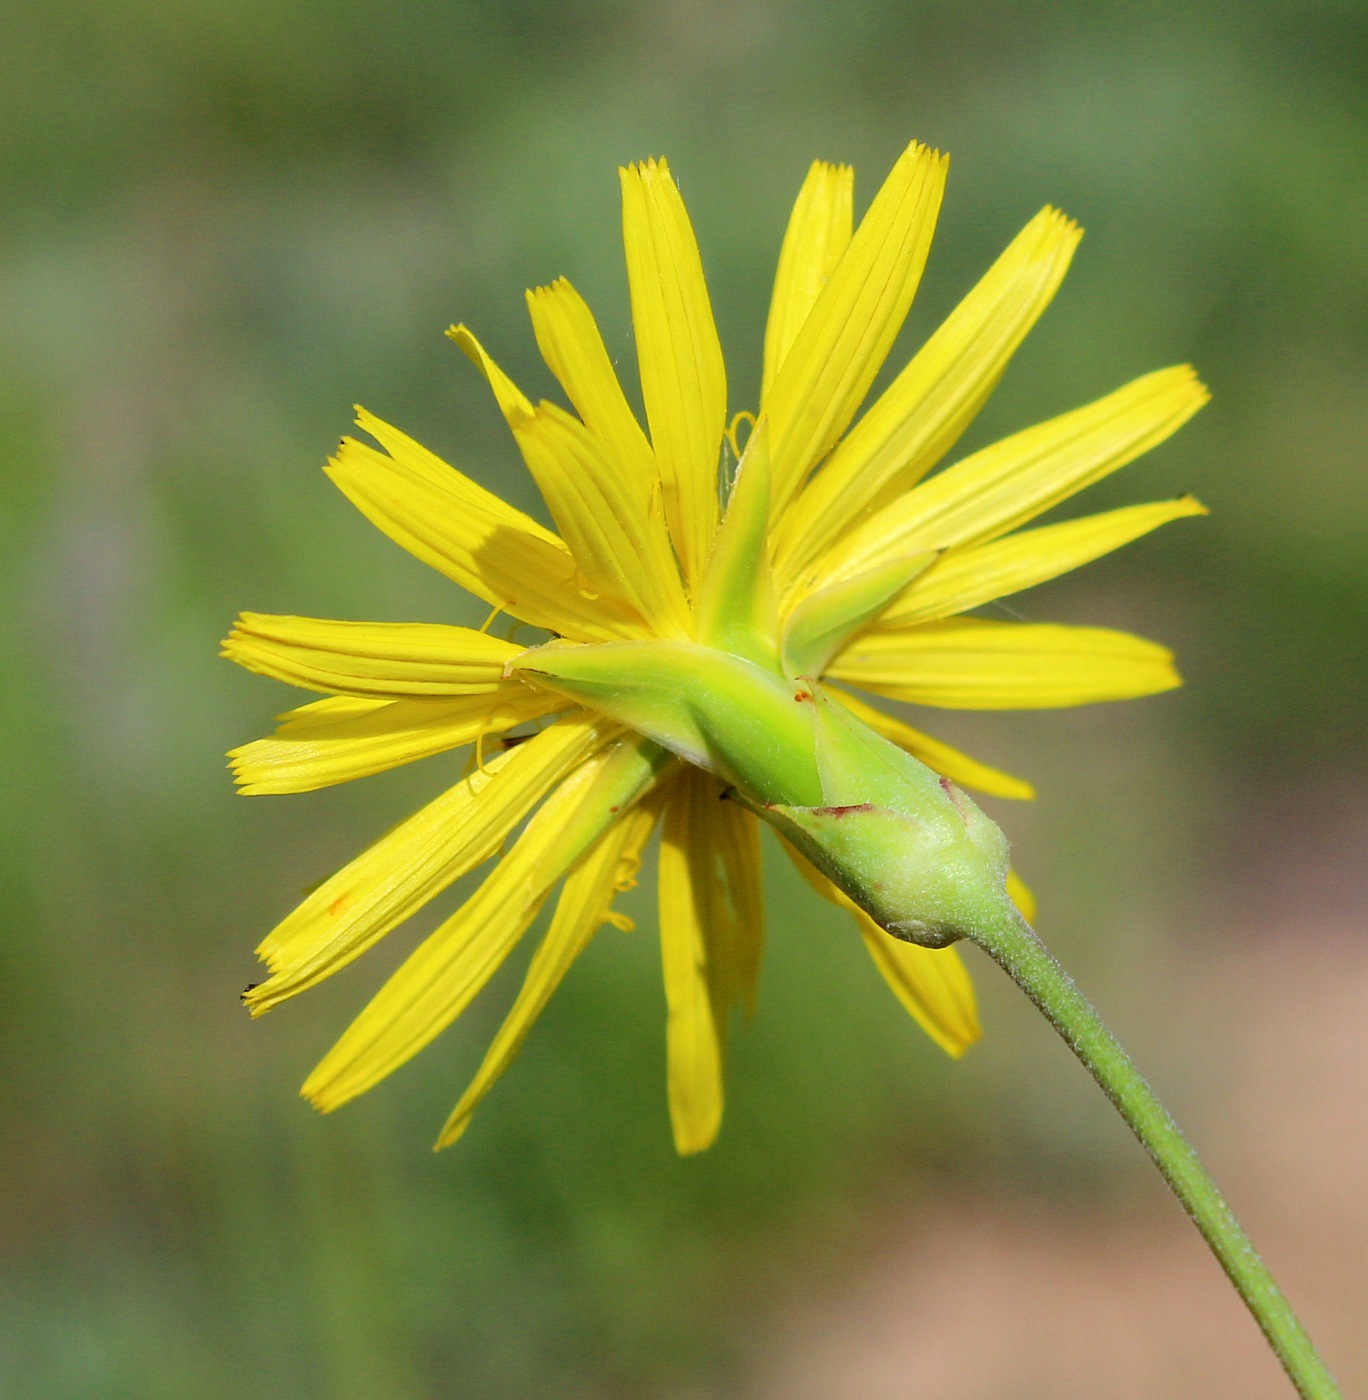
221,224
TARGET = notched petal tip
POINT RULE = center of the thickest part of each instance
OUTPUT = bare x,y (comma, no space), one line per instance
652,168
1188,374
1165,673
919,150
1060,222
1182,383
256,996
239,634
237,762
366,421
545,292
319,1098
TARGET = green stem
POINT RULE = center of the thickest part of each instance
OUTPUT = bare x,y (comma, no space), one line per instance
914,853
1026,960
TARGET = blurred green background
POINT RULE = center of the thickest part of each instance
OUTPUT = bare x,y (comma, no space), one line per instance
221,224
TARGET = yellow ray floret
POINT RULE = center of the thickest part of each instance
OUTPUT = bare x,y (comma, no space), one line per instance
513,403
370,659
1020,894
962,579
585,904
443,974
971,663
335,740
416,861
847,334
1014,480
683,378
818,233
573,349
926,408
710,944
606,516
601,491
931,983
470,535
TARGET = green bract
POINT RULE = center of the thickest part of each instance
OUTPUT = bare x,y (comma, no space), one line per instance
908,846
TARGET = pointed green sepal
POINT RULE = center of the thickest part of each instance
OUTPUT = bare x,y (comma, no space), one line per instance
822,623
720,712
907,845
736,606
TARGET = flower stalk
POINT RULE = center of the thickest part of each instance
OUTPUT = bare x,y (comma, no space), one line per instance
1014,946
919,856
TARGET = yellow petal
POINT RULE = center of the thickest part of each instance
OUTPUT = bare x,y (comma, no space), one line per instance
1019,892
471,536
727,887
711,929
373,660
931,983
972,664
336,709
600,489
574,352
598,476
1007,484
513,403
962,579
336,740
585,903
852,324
818,232
683,379
695,1029
417,860
607,517
446,971
735,835
948,762
924,411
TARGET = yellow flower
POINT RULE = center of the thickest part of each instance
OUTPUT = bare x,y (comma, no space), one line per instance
637,514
